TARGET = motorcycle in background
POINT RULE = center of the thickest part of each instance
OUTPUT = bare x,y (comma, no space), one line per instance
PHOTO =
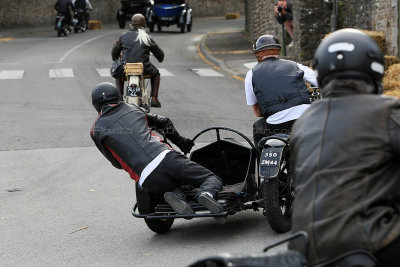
136,91
80,20
61,25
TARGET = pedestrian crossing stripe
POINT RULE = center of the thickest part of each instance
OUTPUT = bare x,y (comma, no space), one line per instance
11,74
61,73
207,72
102,72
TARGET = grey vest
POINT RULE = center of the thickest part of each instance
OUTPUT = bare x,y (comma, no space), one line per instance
278,85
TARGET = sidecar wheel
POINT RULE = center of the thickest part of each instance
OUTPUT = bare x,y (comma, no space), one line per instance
278,200
159,226
146,203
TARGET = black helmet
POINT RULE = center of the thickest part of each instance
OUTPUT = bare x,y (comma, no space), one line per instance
349,53
104,93
266,41
138,20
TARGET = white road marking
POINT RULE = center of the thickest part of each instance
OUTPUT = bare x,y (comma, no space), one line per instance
198,38
250,65
11,74
104,72
61,73
207,72
165,72
8,63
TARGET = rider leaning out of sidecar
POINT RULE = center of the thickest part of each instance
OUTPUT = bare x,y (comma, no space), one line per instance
134,46
122,133
276,89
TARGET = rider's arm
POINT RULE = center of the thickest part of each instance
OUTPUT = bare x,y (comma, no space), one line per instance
309,75
89,6
165,126
157,51
250,97
116,50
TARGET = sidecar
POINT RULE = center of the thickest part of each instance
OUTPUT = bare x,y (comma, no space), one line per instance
270,187
131,7
232,161
170,12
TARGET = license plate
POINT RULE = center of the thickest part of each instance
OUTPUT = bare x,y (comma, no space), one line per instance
270,161
133,90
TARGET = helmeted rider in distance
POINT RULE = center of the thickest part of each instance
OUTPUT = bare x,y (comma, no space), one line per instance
63,7
84,6
276,89
346,149
135,46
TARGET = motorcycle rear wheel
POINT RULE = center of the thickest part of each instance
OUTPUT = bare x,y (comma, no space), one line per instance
278,199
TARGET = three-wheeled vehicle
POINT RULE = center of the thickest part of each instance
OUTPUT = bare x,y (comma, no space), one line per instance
269,187
131,7
170,12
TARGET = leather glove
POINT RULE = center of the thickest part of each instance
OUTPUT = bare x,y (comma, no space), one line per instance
185,145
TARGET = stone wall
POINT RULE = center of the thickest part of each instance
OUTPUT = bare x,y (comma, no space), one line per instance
33,13
312,20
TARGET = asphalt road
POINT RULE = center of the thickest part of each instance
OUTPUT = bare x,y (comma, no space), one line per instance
61,202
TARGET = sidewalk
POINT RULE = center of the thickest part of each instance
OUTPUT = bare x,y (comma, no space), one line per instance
229,51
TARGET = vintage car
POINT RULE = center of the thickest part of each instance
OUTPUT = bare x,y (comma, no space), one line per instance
170,12
131,7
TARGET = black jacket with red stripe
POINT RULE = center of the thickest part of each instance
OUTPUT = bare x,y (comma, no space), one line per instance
122,133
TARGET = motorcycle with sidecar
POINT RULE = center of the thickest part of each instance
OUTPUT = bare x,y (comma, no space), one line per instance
131,7
245,187
170,12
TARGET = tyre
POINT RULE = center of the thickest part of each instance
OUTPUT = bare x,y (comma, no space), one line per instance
146,204
59,31
121,21
183,26
278,198
76,29
151,26
159,27
189,26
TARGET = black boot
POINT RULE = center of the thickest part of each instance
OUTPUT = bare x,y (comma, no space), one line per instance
178,204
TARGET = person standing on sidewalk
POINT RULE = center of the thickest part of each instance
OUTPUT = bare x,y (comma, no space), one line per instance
276,89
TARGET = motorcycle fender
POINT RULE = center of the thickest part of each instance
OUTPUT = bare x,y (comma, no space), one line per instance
270,162
189,16
182,18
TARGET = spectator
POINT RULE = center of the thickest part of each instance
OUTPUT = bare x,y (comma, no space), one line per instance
283,14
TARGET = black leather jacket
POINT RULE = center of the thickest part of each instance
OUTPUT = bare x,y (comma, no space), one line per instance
63,6
346,153
134,51
123,133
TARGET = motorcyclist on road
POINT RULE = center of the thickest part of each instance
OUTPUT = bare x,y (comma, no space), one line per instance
346,149
123,133
83,6
63,7
135,46
276,89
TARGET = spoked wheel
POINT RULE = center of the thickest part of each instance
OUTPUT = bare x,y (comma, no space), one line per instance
279,196
146,205
121,21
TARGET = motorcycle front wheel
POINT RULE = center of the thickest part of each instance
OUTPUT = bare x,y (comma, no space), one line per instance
278,198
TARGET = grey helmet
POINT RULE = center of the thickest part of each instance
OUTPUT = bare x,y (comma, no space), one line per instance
266,41
349,53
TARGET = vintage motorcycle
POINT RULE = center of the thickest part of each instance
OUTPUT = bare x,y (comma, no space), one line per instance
136,91
80,20
61,25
